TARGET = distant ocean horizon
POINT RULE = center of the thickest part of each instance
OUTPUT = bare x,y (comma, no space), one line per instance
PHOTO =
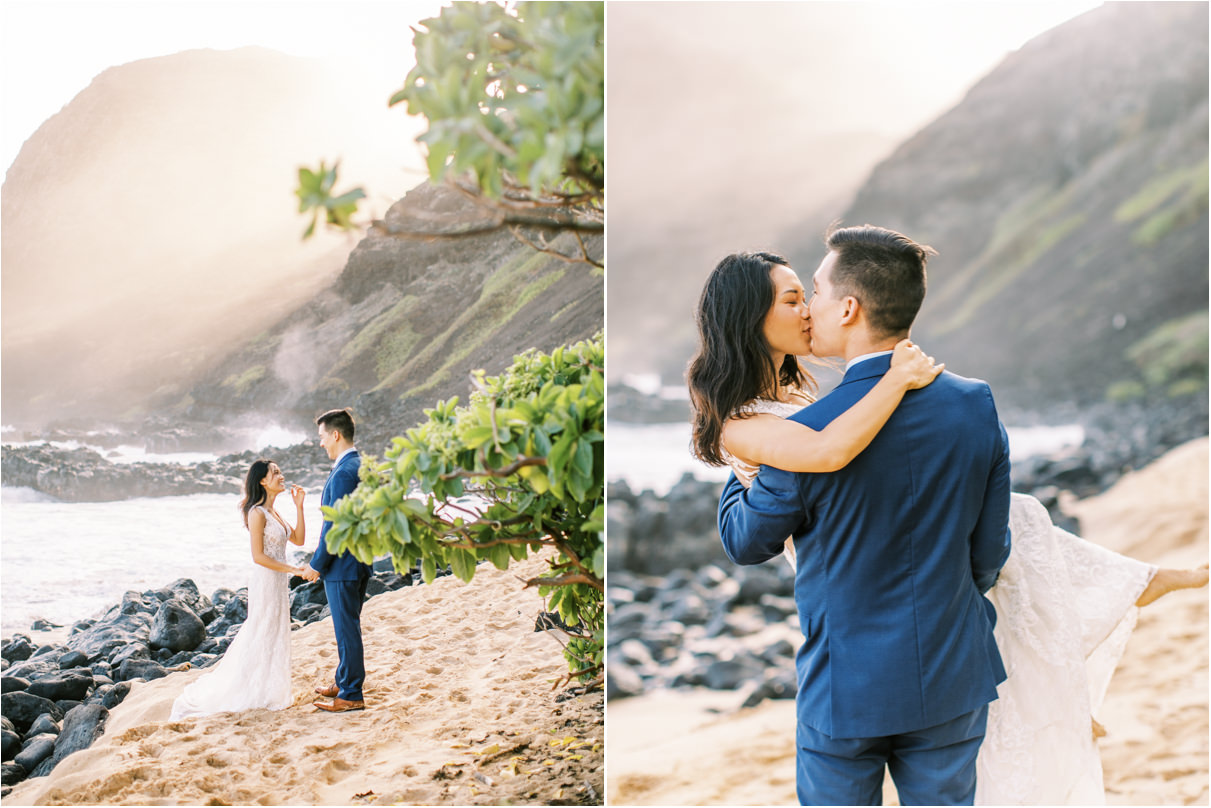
655,456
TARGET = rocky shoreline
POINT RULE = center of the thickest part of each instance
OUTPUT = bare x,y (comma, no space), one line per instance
56,696
83,475
681,615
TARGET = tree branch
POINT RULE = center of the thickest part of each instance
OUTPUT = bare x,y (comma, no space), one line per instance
564,580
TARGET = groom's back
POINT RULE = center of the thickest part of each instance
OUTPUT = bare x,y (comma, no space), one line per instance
894,556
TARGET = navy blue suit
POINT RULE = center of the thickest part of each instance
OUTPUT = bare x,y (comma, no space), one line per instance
894,552
345,580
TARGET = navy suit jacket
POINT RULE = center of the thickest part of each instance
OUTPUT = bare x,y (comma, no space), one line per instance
895,552
341,482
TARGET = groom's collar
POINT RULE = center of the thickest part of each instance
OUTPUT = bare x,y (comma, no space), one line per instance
341,456
867,366
863,358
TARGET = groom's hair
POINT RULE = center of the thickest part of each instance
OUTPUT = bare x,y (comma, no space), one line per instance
340,420
884,270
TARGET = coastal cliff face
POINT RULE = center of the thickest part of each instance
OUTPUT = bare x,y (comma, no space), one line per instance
155,281
1067,196
408,319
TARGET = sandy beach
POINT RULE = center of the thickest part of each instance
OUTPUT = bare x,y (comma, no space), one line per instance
460,710
1155,713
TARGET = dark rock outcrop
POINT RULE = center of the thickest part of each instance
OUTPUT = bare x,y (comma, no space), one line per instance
176,627
23,709
68,685
81,727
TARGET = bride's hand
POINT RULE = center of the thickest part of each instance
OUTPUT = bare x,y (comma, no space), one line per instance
912,365
297,493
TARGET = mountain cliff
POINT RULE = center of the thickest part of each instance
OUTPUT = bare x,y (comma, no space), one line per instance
1067,197
406,322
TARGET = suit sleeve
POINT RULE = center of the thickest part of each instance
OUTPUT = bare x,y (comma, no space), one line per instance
343,483
990,542
754,522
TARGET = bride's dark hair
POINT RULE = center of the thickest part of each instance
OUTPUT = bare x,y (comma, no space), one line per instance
733,364
254,492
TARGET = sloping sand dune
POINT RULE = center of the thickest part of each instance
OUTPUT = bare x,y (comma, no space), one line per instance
460,710
699,748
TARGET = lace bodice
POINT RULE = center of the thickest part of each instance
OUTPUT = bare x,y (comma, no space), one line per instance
745,472
274,537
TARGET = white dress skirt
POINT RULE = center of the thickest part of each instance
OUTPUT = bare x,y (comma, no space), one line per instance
255,671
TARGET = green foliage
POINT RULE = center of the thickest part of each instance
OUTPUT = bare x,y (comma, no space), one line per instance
1175,354
1024,234
513,95
1125,390
244,382
519,469
1183,181
315,195
1172,200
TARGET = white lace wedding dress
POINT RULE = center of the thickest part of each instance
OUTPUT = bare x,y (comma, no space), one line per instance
1065,609
255,671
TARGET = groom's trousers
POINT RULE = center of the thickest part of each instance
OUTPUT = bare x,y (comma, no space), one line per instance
345,603
934,766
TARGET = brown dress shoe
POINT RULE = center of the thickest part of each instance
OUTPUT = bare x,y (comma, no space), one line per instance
338,705
331,691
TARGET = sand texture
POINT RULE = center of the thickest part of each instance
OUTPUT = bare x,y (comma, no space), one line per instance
1155,713
460,710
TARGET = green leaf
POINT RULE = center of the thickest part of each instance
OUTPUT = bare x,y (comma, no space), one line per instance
462,562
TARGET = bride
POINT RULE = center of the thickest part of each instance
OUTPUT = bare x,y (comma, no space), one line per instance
255,670
1065,606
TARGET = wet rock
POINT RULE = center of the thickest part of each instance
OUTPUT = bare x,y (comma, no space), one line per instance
307,613
118,629
176,627
67,685
35,750
115,695
23,709
777,684
82,625
731,674
12,773
67,705
73,659
17,649
10,683
11,743
622,682
80,728
136,650
42,725
141,669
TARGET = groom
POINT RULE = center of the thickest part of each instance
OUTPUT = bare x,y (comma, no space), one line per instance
895,551
345,578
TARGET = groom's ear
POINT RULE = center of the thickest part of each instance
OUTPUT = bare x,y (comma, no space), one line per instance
850,310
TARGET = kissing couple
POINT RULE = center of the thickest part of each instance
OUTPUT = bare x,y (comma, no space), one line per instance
255,671
952,635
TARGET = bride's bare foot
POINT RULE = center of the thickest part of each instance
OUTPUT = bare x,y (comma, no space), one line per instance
1167,580
1098,730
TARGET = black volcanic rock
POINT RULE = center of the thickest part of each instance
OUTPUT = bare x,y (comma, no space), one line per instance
24,708
176,627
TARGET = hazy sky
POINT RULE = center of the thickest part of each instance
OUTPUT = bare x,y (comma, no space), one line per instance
51,49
